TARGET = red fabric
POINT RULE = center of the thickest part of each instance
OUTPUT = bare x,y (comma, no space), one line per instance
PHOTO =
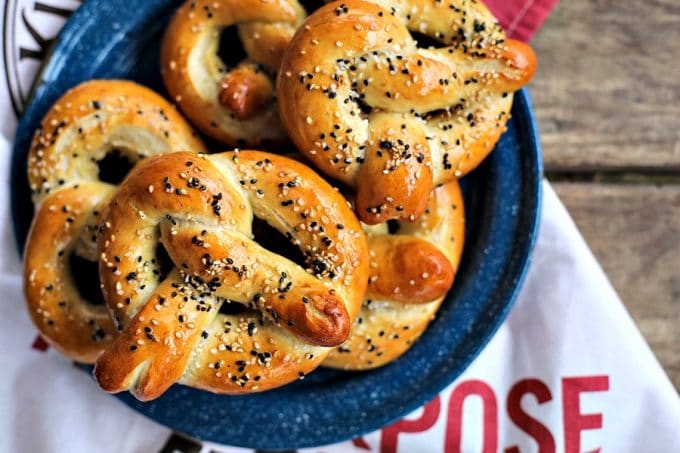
39,344
521,18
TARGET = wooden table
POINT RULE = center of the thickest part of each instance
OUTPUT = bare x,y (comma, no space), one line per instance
607,97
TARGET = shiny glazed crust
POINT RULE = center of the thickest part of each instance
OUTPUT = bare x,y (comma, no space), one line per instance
81,128
66,223
201,210
404,294
369,107
237,105
94,118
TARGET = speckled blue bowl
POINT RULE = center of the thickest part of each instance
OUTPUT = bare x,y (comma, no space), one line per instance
120,38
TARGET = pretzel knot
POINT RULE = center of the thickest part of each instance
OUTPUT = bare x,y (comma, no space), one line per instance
84,126
410,271
393,120
232,103
201,211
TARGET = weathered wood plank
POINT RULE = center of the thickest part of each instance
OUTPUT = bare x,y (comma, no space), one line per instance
607,91
634,231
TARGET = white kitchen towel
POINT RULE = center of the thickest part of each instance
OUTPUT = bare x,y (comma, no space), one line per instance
567,371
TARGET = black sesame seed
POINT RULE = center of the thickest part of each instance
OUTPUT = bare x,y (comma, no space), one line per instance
386,144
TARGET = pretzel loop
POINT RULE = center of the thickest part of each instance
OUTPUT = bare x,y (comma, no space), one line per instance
201,211
67,225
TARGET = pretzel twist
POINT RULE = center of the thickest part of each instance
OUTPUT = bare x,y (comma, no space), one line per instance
410,273
82,127
372,109
234,105
201,210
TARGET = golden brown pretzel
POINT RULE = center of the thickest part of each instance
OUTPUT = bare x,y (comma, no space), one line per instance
392,120
410,273
201,210
82,127
233,105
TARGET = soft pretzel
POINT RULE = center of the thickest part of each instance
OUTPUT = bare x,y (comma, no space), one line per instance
201,210
410,273
372,109
80,129
234,105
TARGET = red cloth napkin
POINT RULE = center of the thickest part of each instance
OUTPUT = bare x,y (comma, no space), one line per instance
521,18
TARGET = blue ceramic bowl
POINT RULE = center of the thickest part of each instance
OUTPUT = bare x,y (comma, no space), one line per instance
120,39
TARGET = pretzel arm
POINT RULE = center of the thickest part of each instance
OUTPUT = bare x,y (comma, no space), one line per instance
152,352
242,270
431,80
407,270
